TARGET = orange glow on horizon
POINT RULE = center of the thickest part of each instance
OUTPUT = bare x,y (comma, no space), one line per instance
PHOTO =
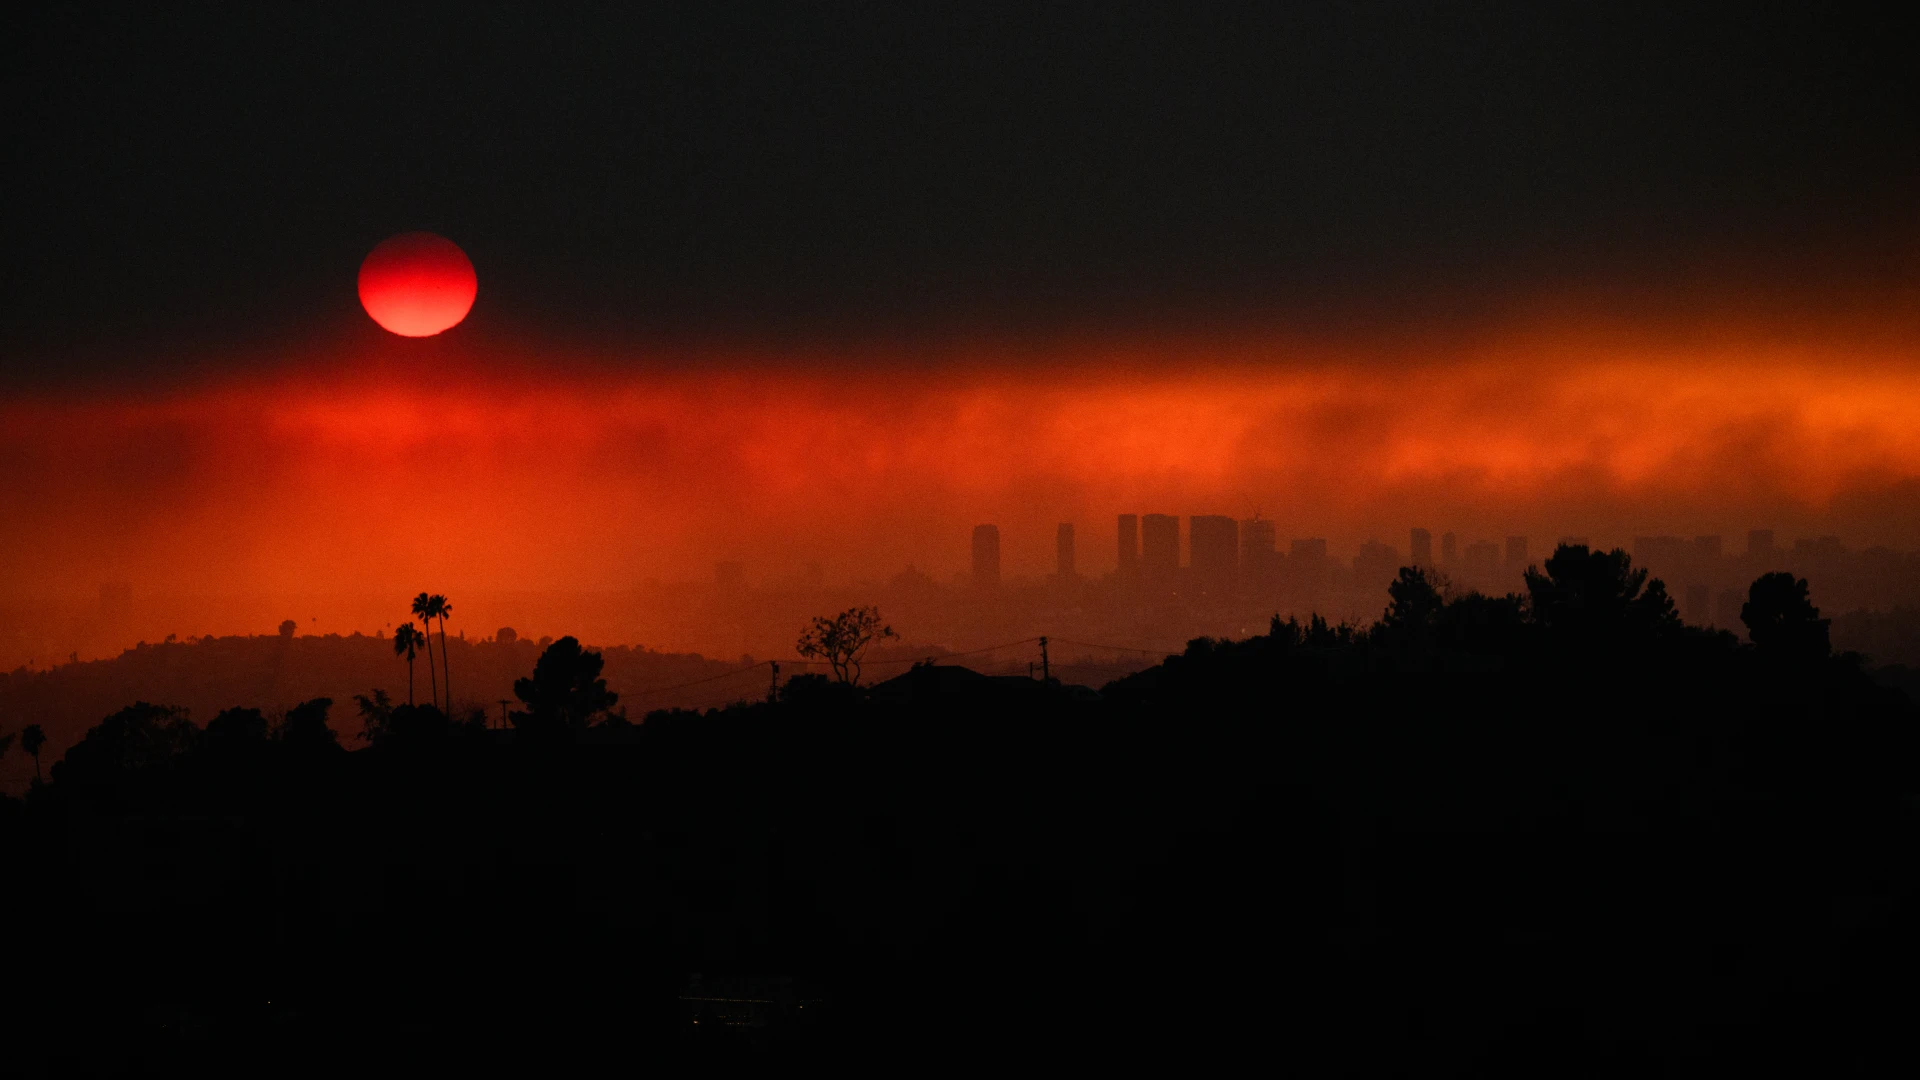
600,479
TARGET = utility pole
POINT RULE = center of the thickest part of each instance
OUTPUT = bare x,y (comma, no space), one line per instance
503,703
1046,673
773,687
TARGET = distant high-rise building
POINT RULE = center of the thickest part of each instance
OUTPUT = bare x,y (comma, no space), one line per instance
1375,564
1129,546
1481,562
1449,549
1259,559
1160,548
1256,541
1063,550
1516,552
1661,554
1760,543
1309,572
1214,544
986,555
1309,550
1421,548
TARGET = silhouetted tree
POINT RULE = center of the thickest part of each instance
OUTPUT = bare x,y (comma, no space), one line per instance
386,724
565,693
422,607
406,640
138,737
1782,621
439,607
6,743
1414,606
1487,625
376,715
817,693
32,738
236,727
287,628
305,727
1595,596
843,639
1321,635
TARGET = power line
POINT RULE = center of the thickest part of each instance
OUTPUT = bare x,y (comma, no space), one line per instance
1117,648
922,659
697,682
969,652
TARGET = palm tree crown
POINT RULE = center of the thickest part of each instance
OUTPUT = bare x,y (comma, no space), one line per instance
31,740
440,607
423,609
406,640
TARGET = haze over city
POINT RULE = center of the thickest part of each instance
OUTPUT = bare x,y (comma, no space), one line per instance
851,306
1405,517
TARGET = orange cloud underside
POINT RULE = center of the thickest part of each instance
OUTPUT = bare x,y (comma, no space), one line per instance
600,480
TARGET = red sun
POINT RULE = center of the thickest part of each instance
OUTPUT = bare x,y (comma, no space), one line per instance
417,284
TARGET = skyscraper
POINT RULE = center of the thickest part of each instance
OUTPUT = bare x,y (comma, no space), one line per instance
1063,550
986,555
1480,563
1309,570
1129,547
1660,554
1314,550
1160,548
1375,564
1420,548
1259,561
1256,541
1214,544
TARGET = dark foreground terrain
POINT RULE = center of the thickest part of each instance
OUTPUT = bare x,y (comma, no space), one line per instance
1558,834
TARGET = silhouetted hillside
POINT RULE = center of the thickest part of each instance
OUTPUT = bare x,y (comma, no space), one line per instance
273,673
1544,834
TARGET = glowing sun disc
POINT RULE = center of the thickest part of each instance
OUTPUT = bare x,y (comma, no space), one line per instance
417,284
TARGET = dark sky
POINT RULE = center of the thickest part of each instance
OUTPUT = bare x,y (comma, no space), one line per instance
210,180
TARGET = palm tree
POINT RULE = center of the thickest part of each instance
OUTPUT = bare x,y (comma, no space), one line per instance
31,740
423,607
407,639
441,607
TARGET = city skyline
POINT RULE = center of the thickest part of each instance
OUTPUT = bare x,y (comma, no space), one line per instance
1234,544
548,538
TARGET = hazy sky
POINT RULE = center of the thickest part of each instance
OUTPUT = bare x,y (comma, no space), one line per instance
182,183
803,282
